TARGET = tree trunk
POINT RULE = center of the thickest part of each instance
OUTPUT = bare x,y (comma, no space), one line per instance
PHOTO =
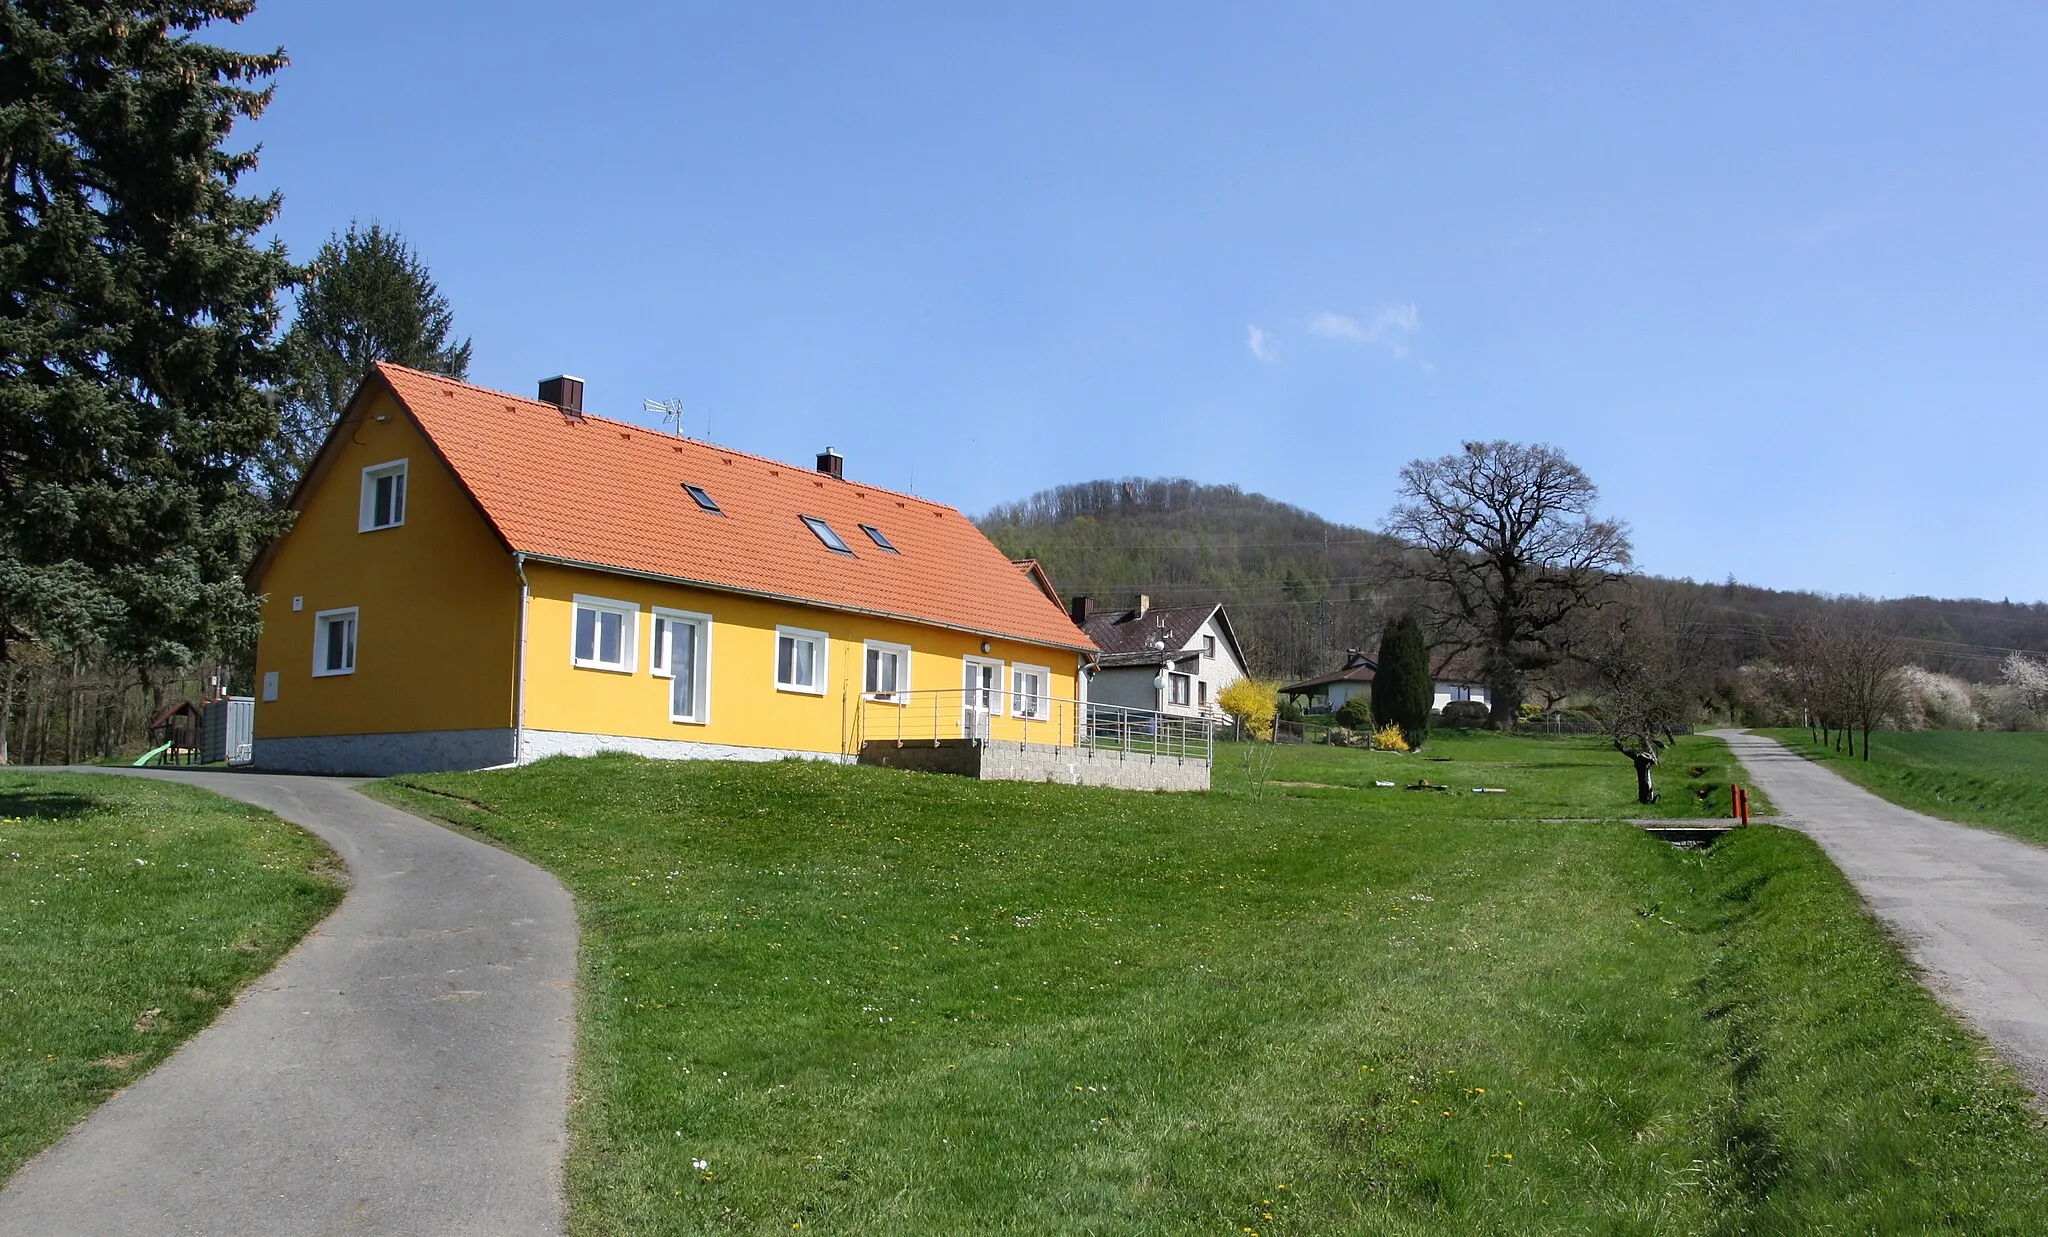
6,708
1646,786
1505,704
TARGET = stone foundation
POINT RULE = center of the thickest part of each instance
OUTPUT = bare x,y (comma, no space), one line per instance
1003,760
540,744
383,755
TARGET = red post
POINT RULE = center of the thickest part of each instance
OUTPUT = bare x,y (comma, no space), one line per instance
1744,804
1735,800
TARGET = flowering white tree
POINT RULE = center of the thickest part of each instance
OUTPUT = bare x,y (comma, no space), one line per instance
2028,679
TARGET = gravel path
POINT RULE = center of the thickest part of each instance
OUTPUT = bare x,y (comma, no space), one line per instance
404,1070
1969,905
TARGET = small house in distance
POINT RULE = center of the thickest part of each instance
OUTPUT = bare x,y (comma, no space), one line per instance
1169,659
1329,692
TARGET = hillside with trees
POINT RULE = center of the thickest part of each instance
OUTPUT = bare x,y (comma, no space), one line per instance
1302,589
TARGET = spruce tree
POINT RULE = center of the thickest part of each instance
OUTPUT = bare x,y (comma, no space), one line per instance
1402,689
138,318
367,298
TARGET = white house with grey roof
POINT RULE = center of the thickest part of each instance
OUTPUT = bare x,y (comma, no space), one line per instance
1170,659
1329,692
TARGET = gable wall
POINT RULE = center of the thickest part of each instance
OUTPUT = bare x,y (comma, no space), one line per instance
437,596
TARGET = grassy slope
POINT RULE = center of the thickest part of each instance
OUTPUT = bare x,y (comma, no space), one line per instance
1572,776
885,1002
118,897
1996,780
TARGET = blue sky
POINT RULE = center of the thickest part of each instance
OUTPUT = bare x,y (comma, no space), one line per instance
1774,278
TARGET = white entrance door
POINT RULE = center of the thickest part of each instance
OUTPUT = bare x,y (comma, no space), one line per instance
981,696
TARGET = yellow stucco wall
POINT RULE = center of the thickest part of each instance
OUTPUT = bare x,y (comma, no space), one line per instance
438,600
745,706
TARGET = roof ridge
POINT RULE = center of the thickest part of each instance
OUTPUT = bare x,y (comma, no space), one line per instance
660,433
1132,610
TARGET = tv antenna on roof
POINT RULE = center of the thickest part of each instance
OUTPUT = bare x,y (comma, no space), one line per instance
669,410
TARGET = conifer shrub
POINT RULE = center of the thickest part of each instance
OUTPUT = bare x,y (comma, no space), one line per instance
1356,714
1402,686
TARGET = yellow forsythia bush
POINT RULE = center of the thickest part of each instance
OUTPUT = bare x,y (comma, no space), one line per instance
1254,703
1389,738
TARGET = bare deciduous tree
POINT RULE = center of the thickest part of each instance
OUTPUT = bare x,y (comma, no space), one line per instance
1506,539
1870,653
1642,667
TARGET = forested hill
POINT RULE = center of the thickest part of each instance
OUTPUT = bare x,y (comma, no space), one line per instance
1302,589
1298,587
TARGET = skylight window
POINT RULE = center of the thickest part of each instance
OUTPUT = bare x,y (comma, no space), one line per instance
697,495
825,534
875,535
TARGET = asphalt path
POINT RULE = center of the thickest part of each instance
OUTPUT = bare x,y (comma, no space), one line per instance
404,1070
1970,906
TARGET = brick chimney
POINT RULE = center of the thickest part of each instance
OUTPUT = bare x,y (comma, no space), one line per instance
564,392
832,464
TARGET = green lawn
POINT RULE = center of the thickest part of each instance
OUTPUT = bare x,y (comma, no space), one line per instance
864,1001
130,912
1545,778
1994,779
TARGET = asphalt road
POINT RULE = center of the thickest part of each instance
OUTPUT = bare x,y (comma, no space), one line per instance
1970,906
404,1070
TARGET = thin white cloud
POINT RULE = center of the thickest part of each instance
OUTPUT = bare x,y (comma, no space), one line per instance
1261,344
1390,327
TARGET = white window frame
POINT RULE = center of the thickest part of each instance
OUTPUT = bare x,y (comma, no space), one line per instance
1173,677
821,660
902,652
322,619
1042,698
973,718
660,663
366,515
629,635
1208,646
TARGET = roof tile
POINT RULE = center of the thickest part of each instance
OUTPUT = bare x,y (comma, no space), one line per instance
610,494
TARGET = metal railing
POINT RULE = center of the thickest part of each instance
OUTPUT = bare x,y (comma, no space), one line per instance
1049,721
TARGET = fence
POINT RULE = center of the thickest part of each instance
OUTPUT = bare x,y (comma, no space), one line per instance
1047,721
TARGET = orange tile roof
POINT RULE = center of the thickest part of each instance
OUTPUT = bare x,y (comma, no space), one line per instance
609,494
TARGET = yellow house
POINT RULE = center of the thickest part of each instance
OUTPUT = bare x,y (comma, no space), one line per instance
478,579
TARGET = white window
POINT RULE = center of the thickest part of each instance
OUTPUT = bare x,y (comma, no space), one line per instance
334,642
1179,687
800,660
682,654
606,634
1208,646
1027,690
887,675
1202,693
383,497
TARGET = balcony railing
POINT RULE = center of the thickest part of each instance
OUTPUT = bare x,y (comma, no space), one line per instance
987,713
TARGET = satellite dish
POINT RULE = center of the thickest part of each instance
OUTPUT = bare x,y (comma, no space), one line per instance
669,410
